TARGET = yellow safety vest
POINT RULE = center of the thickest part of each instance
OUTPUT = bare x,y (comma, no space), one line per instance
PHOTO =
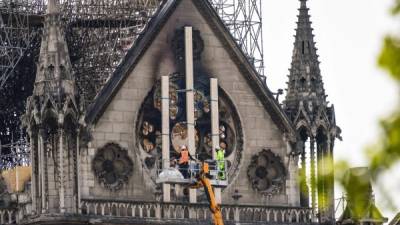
220,155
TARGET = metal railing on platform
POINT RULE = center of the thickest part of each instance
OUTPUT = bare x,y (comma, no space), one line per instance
186,174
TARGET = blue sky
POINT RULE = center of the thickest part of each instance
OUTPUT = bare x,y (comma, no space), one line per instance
349,37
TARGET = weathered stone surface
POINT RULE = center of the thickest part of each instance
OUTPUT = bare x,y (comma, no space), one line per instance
117,124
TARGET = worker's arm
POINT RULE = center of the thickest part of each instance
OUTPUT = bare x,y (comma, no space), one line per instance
197,185
190,156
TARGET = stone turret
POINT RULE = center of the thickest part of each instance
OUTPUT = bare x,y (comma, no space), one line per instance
52,120
305,84
54,77
307,106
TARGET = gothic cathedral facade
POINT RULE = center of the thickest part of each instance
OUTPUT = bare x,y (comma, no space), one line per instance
99,164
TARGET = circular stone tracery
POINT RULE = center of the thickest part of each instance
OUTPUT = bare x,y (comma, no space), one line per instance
266,172
149,124
112,166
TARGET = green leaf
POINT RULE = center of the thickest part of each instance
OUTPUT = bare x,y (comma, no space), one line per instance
396,8
389,58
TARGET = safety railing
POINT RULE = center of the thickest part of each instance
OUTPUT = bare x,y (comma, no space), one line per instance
187,174
196,212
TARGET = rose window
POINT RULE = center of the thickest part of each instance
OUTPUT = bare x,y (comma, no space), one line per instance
266,172
149,124
112,166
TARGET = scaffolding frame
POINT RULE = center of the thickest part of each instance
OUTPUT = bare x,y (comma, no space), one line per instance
243,18
98,33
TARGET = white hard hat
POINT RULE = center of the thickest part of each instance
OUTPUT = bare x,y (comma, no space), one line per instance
183,147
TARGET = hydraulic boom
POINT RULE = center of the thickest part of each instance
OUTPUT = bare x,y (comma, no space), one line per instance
203,180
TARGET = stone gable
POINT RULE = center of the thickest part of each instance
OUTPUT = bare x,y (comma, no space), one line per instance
118,122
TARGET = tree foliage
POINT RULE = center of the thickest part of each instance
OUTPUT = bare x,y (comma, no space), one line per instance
385,153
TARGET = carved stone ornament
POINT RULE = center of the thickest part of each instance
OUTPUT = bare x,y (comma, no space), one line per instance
112,166
266,172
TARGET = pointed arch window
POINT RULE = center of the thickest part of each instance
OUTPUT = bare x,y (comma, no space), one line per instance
302,83
49,73
313,82
63,72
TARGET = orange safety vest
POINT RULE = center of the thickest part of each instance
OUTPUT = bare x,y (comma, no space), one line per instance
184,157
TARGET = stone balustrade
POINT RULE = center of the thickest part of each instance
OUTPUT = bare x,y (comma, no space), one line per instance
14,207
233,214
197,212
9,216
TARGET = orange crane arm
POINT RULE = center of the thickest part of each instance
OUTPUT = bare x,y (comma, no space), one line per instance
203,181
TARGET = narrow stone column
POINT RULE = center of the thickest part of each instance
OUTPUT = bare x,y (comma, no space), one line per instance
305,202
61,169
42,170
236,215
329,197
313,173
293,189
33,136
78,171
322,179
331,141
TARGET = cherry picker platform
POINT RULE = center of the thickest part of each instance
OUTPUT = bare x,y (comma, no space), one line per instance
188,176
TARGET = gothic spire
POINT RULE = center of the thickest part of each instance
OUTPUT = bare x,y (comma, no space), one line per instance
54,74
305,81
307,107
52,120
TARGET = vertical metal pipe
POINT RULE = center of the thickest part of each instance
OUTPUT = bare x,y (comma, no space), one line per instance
165,133
190,99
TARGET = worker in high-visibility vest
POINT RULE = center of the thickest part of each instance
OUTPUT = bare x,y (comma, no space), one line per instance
221,162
